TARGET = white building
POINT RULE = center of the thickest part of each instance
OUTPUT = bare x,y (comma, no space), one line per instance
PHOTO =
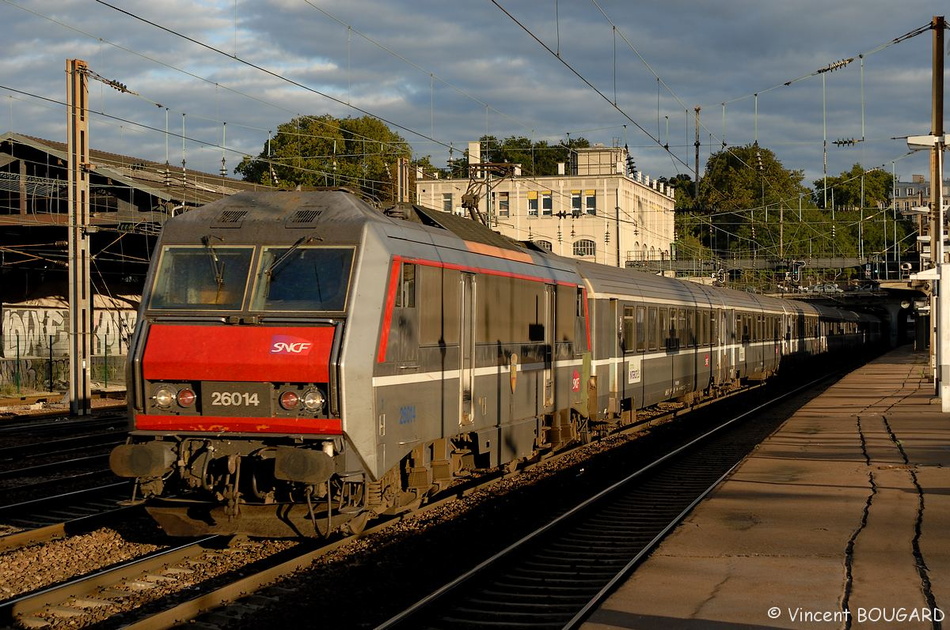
597,213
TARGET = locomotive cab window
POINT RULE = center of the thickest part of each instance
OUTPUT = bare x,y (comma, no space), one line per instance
303,279
211,277
406,293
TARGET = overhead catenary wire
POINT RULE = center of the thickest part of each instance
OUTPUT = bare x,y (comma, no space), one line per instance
558,52
190,74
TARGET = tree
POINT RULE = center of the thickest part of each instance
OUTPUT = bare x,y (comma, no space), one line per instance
359,153
537,159
855,189
684,190
858,199
756,207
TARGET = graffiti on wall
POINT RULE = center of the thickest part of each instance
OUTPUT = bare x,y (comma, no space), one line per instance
35,332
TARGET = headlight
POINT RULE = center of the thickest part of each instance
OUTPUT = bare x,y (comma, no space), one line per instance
164,396
314,400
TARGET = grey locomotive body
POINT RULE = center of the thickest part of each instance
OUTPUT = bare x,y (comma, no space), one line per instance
304,361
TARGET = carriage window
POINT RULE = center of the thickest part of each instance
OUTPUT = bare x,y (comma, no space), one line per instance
303,279
629,330
210,277
686,327
667,326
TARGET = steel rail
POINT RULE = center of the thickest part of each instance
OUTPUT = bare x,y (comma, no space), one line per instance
60,446
13,609
587,504
46,533
50,467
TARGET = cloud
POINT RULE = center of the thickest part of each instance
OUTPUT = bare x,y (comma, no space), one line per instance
446,73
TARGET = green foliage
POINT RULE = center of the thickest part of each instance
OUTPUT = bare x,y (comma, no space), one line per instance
855,189
741,178
689,227
749,205
684,190
537,159
359,153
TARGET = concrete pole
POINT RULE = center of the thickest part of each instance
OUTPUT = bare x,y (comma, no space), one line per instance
936,164
80,287
943,344
940,299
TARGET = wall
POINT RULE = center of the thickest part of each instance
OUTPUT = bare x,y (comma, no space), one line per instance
34,347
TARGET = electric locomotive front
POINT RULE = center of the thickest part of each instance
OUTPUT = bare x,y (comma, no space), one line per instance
234,386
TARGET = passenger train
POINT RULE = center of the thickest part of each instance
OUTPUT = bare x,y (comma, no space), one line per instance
305,361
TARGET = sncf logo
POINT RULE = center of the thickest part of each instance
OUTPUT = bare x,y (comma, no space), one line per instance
283,344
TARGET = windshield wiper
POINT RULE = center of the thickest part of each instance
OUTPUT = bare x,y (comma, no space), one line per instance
271,270
217,267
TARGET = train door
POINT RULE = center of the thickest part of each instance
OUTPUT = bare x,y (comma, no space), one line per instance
716,350
550,309
729,338
786,332
616,349
467,350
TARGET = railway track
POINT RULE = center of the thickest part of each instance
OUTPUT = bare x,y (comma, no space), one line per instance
554,576
177,596
100,461
51,471
57,509
68,523
15,413
58,424
62,446
100,591
392,566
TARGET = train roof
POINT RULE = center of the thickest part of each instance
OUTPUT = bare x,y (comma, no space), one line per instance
244,217
337,208
335,216
609,281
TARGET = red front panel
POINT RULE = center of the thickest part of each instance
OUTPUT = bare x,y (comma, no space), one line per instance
238,353
215,424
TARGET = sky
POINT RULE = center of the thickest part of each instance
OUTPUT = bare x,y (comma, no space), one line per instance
209,81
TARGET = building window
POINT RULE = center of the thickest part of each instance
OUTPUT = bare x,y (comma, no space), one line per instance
547,204
532,204
501,201
590,202
447,205
585,247
544,245
576,203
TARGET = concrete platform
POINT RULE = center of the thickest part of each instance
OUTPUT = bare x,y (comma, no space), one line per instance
841,519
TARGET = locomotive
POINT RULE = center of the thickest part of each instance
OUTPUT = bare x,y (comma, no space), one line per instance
305,361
